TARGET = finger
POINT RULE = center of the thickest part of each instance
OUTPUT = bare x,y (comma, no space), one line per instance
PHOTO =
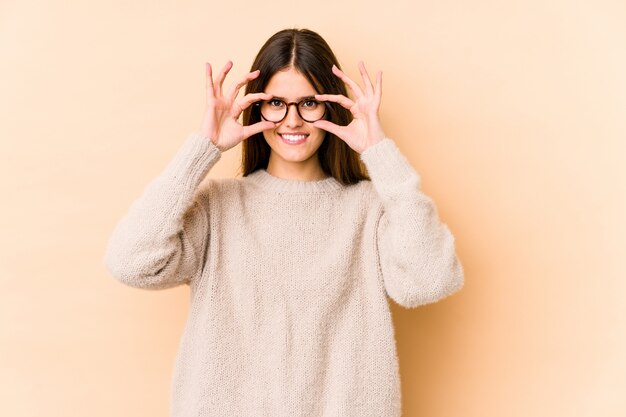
369,88
329,127
258,127
234,90
247,101
209,80
351,84
336,98
221,76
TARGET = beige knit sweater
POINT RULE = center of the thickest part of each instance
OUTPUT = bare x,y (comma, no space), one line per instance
288,282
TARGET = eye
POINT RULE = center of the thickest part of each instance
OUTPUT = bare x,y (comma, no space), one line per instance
310,104
275,103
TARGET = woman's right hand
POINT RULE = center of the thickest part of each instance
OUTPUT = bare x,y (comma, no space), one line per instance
221,124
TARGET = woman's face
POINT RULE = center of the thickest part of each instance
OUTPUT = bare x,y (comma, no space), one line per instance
286,157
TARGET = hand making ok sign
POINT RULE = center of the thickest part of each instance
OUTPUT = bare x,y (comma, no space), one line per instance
365,129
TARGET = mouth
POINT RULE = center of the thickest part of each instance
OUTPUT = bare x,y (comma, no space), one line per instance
293,138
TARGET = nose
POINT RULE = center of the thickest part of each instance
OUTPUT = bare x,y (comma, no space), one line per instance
292,119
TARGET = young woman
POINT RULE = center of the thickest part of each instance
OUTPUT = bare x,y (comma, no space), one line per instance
289,266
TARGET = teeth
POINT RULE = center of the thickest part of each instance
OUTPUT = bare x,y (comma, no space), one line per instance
293,138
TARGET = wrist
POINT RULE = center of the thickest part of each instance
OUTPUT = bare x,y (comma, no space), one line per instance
217,145
213,141
372,143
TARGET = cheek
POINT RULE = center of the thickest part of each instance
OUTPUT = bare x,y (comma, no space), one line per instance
269,134
319,134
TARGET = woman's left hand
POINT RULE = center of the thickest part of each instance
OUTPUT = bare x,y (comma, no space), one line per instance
365,129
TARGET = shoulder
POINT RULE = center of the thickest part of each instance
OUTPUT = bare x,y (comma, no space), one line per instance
218,189
365,187
364,194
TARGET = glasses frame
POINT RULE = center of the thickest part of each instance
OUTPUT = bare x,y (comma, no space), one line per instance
293,103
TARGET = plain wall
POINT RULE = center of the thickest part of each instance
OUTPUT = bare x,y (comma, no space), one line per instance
511,111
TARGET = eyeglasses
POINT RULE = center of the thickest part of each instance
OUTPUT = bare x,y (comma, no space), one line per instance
275,110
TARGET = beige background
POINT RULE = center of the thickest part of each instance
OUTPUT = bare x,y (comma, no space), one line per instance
512,111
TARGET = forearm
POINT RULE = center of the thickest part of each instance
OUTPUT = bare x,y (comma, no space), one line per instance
155,244
416,250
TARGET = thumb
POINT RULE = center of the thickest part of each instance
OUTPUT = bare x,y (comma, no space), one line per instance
329,127
257,128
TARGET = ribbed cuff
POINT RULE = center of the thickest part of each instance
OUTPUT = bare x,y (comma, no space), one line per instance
193,160
387,166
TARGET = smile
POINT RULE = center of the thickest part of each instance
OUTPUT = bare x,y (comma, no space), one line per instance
293,139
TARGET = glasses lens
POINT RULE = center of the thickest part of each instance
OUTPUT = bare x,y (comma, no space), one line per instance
311,110
273,110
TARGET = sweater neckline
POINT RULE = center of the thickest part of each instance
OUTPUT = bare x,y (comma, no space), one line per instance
266,180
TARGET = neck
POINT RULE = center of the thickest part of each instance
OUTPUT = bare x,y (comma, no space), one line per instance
302,171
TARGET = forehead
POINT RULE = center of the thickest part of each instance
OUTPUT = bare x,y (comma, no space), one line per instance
289,84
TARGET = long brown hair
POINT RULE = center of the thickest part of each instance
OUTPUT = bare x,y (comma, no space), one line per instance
310,55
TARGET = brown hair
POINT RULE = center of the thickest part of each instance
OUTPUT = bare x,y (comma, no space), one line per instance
310,55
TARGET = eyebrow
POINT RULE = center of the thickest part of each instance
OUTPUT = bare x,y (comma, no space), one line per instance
296,100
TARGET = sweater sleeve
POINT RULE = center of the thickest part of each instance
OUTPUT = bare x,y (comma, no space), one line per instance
416,252
160,242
